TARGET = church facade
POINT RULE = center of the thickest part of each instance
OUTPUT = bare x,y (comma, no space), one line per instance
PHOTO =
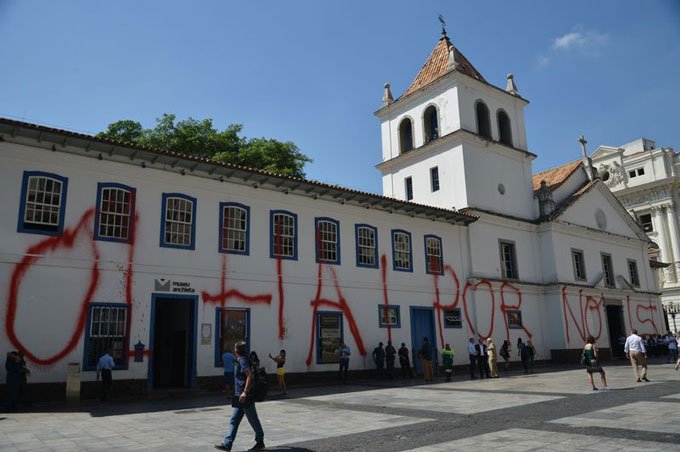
169,259
644,177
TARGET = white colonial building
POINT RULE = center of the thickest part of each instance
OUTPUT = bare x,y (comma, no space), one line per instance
646,179
169,258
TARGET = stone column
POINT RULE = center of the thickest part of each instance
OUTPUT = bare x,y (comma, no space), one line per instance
661,238
667,274
673,235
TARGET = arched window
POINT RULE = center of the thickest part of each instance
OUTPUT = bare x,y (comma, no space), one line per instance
430,124
405,135
504,132
483,121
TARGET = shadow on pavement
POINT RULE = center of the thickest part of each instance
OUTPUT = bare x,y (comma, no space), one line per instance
189,401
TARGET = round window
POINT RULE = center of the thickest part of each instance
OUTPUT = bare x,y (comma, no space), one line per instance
501,189
605,176
601,219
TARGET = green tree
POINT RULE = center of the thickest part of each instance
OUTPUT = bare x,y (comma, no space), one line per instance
200,138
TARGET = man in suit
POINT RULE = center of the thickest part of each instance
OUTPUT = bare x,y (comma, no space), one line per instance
482,359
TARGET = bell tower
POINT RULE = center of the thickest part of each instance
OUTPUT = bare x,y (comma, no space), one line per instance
453,140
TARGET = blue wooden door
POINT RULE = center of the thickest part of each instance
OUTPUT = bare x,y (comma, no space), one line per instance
422,326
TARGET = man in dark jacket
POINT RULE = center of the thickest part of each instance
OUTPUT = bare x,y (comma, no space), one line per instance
379,359
390,354
482,360
405,362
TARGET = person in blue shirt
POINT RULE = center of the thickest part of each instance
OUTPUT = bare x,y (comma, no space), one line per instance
243,402
228,360
104,367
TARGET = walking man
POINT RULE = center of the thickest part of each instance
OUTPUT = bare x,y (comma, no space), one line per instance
344,353
390,354
426,360
637,353
242,401
447,361
405,362
105,366
379,359
472,353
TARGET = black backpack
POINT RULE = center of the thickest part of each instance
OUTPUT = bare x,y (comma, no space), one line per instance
260,389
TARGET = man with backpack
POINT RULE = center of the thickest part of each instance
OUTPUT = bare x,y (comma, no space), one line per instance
243,400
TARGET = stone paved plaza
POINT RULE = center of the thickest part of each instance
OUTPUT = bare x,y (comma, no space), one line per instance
549,410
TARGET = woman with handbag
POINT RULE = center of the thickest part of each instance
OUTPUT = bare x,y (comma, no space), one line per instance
589,359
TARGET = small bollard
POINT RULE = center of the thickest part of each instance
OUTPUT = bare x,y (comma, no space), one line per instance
73,383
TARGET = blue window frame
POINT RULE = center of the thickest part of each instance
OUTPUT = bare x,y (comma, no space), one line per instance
434,255
329,334
366,242
327,234
231,325
283,235
178,221
389,316
234,228
115,212
43,203
402,251
106,329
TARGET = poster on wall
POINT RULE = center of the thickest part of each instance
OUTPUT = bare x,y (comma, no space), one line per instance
206,333
329,337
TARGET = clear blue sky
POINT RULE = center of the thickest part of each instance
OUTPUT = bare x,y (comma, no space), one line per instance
313,71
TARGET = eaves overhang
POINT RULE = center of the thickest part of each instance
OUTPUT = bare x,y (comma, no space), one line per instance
58,140
433,144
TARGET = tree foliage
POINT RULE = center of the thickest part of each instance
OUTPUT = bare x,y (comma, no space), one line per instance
200,138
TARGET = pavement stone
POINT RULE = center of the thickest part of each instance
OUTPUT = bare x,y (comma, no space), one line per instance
554,410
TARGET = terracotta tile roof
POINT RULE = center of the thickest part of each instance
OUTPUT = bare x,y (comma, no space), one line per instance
555,177
564,205
435,66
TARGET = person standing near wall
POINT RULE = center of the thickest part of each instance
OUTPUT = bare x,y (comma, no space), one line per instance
390,354
23,387
280,361
13,381
405,362
105,367
242,401
493,358
482,359
472,354
505,354
379,360
637,353
447,361
677,339
530,355
426,360
228,361
343,351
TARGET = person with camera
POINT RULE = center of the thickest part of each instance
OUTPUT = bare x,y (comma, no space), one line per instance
243,402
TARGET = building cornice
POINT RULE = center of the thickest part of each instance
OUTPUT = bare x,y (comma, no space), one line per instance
58,140
445,140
